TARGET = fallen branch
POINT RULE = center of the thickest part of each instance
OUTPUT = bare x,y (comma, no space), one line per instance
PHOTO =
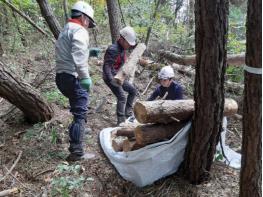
27,18
13,166
148,85
237,59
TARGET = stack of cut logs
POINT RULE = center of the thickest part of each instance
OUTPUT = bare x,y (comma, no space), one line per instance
160,120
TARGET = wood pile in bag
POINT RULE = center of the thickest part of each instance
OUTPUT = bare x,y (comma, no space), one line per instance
161,120
129,139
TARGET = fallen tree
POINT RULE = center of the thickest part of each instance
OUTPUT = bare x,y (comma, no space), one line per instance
24,96
166,111
238,59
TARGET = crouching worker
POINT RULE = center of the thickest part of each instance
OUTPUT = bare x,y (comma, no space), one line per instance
114,59
72,74
168,88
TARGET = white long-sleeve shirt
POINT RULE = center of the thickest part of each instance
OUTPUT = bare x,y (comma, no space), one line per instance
72,51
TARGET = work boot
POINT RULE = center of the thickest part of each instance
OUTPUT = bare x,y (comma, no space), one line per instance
74,157
120,119
76,137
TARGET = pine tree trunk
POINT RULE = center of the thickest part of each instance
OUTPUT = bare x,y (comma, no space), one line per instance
47,13
211,34
251,174
114,19
24,96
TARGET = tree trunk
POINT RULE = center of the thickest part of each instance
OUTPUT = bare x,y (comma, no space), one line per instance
151,133
114,19
237,59
128,69
65,8
51,20
152,22
251,174
165,111
210,39
24,96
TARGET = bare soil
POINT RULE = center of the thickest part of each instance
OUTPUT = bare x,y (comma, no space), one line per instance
43,147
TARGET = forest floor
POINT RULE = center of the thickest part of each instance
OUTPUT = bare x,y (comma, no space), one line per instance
42,169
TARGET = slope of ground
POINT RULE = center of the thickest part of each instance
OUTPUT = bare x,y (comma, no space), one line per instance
42,169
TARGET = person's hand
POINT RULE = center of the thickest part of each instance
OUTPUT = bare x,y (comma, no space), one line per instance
86,83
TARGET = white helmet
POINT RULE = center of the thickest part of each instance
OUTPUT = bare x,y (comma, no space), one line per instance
86,9
129,35
166,72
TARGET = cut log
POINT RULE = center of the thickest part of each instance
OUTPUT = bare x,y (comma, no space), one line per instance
165,111
128,69
131,145
151,133
117,143
126,131
237,59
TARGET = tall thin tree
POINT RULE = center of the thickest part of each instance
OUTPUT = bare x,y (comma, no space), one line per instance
47,13
210,40
250,180
114,19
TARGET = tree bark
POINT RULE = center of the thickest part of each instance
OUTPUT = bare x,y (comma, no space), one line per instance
24,96
128,69
65,8
251,166
114,19
237,59
210,40
126,131
51,20
151,133
166,111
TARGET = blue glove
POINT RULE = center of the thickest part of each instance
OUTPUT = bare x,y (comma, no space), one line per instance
86,83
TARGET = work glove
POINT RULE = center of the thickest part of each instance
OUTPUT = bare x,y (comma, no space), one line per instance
86,83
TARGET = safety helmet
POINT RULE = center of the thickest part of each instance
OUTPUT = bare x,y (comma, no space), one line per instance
85,8
166,72
129,35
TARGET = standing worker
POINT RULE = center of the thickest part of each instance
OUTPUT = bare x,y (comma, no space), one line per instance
168,88
72,73
114,59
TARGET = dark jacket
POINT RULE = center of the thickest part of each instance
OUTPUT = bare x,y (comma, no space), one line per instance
114,59
175,92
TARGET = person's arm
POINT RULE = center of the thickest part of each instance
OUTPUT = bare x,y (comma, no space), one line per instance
109,60
80,53
154,95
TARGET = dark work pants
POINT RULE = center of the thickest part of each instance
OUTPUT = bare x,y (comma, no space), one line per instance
70,87
124,106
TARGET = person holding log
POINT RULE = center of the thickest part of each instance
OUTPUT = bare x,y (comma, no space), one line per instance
72,73
114,59
168,88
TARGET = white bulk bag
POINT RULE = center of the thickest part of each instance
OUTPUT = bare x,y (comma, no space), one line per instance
150,163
